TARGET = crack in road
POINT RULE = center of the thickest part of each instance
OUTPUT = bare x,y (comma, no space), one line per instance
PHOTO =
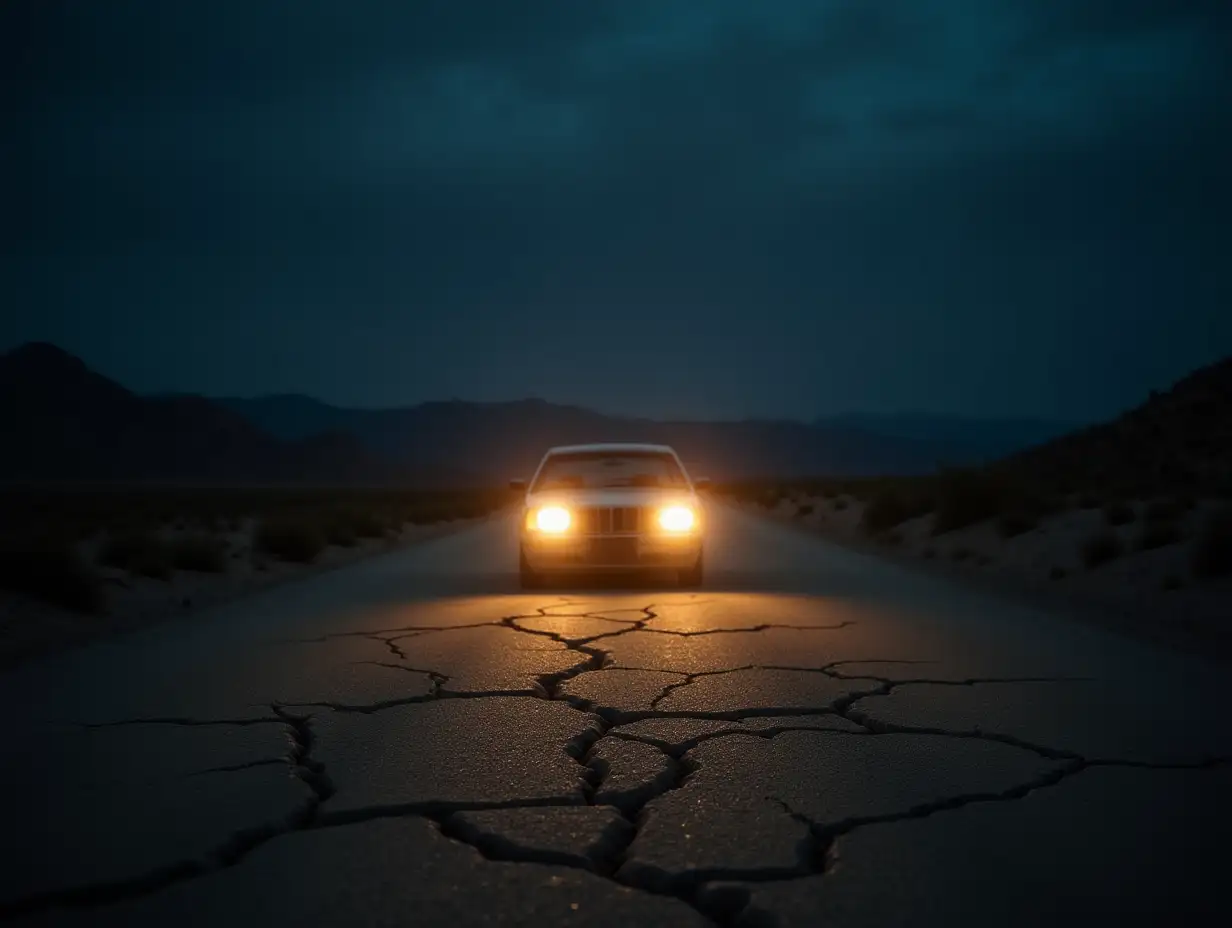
498,847
309,770
225,854
392,644
891,728
823,836
619,717
716,892
438,679
719,894
678,749
691,678
246,765
435,809
390,636
437,694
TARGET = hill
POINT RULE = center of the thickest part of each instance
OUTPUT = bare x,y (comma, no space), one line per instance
1178,441
64,422
972,440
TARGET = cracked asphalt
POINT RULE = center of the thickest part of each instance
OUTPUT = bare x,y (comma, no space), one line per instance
814,738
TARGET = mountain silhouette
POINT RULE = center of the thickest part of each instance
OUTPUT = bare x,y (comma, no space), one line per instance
1178,441
492,441
63,421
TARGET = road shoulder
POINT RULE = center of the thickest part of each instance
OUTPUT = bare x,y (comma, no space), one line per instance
1197,624
31,629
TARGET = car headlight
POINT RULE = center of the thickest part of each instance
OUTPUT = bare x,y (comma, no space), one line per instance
677,519
553,519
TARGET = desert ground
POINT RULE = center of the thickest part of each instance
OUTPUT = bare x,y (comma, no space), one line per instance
1156,568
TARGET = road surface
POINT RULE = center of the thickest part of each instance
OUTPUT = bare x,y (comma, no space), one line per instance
814,738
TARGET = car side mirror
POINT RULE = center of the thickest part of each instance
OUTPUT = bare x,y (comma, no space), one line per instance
702,483
517,484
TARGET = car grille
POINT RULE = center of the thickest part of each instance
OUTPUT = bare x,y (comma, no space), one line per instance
614,549
610,520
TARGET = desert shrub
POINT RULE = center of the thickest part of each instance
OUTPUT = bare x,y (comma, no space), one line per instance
805,510
289,539
1163,510
210,523
337,529
1158,534
51,571
1016,522
150,509
1212,555
1043,505
138,552
344,526
467,510
772,496
839,504
1100,548
201,552
891,539
886,510
1119,513
369,524
967,498
430,515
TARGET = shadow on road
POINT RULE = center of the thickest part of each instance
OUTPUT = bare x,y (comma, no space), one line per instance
718,581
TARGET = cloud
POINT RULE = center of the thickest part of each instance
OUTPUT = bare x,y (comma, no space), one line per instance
1049,24
827,167
677,93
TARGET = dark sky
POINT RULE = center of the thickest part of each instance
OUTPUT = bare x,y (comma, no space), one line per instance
714,208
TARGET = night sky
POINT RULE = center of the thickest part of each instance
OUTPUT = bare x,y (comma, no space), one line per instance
711,209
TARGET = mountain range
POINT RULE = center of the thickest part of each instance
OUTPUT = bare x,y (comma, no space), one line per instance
63,421
462,436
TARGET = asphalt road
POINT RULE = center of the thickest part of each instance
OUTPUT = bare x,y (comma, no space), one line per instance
814,738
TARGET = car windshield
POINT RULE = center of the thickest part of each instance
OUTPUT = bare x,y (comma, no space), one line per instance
593,470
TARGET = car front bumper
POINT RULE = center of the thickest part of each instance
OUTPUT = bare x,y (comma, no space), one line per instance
611,553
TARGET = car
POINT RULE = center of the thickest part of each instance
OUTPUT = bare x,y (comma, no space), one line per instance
611,507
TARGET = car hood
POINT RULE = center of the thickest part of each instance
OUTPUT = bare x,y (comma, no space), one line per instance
615,496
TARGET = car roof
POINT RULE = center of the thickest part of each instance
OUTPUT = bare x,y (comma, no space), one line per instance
612,447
